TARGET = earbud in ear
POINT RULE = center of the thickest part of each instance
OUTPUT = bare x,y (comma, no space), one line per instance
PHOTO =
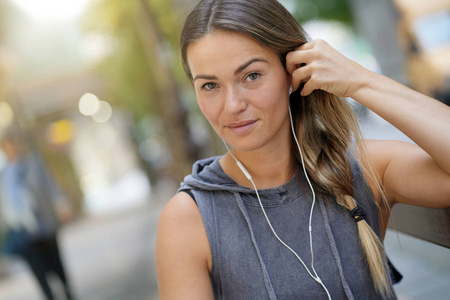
290,89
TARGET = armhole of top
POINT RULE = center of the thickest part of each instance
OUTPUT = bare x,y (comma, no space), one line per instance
189,192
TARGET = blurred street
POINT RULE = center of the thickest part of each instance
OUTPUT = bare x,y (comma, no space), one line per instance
108,257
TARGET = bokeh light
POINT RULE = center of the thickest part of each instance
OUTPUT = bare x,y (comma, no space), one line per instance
6,114
104,112
88,104
60,132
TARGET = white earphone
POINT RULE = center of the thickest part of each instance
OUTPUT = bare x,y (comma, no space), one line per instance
249,177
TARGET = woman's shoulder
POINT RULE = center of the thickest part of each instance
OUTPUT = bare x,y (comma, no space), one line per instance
180,210
180,226
183,258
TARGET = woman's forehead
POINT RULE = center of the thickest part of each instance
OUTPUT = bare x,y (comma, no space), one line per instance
222,49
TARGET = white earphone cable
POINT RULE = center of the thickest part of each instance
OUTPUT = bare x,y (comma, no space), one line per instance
247,174
268,221
311,187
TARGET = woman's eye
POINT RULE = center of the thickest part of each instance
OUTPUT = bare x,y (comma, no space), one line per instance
253,76
209,86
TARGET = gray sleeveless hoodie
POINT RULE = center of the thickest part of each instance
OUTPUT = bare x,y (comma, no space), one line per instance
249,263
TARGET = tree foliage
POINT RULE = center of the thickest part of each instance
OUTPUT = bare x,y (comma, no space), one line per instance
128,80
131,80
142,70
9,16
338,10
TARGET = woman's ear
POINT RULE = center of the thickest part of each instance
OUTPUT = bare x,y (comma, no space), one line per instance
289,79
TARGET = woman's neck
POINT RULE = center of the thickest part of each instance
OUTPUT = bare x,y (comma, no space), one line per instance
269,169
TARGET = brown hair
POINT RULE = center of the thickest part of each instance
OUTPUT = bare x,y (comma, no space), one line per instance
325,124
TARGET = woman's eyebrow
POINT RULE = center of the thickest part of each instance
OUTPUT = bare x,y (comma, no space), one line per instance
207,77
238,70
248,63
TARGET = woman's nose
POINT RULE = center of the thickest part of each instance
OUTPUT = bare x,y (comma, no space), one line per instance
235,101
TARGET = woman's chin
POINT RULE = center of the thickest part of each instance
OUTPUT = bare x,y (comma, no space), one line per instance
243,144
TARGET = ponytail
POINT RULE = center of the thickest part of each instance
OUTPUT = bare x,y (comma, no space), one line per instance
327,127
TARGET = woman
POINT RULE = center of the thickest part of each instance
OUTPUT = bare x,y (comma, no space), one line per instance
264,222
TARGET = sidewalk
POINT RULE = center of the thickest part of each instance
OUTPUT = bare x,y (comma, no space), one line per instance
107,258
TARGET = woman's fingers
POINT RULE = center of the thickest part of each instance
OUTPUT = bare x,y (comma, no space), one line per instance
297,58
299,75
320,66
304,63
300,64
308,88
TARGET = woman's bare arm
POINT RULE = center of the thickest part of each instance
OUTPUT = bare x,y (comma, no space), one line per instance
415,174
183,256
409,174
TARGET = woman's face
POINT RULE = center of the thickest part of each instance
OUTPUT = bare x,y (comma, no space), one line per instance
242,89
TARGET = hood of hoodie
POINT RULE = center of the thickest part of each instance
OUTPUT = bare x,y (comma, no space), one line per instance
208,175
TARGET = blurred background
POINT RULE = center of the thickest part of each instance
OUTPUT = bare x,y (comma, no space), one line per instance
95,89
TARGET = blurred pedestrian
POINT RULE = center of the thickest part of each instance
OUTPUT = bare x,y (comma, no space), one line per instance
29,202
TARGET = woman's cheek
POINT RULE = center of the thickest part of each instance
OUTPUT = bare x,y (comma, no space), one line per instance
209,111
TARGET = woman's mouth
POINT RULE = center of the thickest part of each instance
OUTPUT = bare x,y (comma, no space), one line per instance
241,127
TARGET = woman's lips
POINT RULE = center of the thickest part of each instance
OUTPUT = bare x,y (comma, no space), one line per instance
241,127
